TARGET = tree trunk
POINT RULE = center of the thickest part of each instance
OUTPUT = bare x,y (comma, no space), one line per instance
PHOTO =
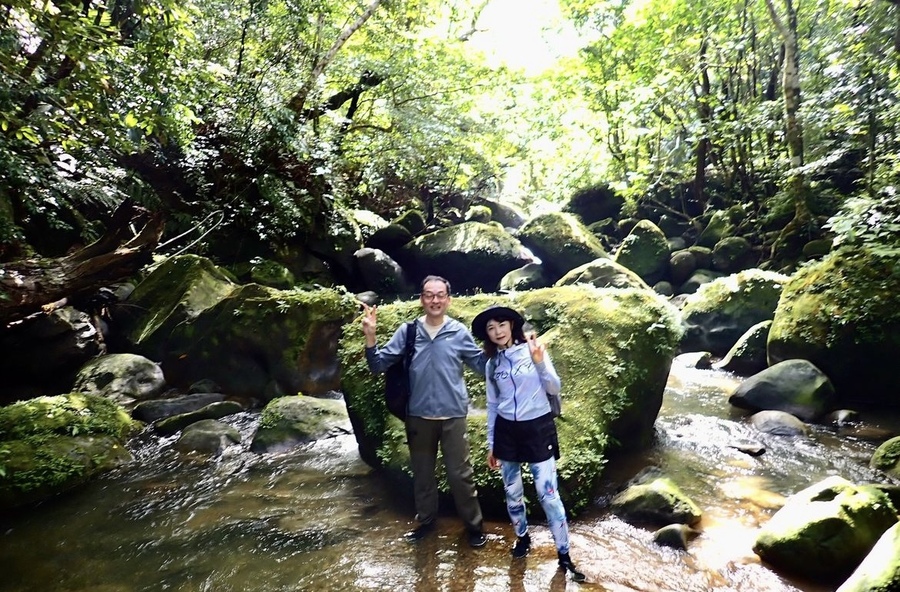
28,285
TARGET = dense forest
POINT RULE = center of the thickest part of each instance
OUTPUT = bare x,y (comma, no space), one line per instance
248,128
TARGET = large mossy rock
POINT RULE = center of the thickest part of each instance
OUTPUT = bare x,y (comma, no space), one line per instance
593,204
51,444
656,500
612,348
470,255
561,241
645,251
825,530
793,386
720,312
253,341
843,315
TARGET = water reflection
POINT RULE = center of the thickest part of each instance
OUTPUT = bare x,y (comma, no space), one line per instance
317,518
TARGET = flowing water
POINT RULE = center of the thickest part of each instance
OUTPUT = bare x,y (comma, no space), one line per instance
317,518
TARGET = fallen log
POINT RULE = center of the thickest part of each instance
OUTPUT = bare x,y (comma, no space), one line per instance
32,286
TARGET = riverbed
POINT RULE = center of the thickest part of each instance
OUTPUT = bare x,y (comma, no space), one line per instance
318,518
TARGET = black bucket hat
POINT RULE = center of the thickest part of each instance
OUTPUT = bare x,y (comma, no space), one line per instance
497,313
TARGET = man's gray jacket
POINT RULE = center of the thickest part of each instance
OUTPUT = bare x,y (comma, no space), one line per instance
436,372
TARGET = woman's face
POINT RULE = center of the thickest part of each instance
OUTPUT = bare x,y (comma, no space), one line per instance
500,332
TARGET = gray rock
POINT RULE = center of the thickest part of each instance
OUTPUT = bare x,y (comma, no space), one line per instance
150,411
207,436
175,423
778,423
794,386
123,378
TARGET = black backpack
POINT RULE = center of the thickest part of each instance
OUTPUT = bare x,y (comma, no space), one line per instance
396,377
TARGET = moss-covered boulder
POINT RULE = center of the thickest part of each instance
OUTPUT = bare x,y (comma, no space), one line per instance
825,530
843,314
880,570
389,239
719,312
174,292
732,254
252,340
288,421
51,444
506,216
412,220
479,214
748,355
595,203
379,273
887,457
656,501
470,255
612,348
207,436
561,241
528,277
645,251
603,273
721,223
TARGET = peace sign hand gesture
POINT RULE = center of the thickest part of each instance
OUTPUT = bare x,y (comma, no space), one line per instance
536,348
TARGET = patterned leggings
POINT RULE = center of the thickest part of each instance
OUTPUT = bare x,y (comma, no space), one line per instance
544,474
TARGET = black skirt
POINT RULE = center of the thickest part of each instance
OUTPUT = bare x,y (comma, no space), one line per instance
529,441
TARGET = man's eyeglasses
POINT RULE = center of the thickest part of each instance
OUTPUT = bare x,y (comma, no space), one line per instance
430,296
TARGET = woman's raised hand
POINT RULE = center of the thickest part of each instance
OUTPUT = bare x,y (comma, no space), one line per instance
536,348
369,322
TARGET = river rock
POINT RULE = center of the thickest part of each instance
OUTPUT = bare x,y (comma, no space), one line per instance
731,254
825,530
880,570
528,277
778,423
645,251
748,355
843,314
156,409
682,264
470,255
612,348
506,215
561,242
699,278
675,536
720,312
657,500
123,378
176,423
207,436
794,386
603,273
380,273
288,421
887,457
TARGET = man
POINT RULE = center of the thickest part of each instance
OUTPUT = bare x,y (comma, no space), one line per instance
438,405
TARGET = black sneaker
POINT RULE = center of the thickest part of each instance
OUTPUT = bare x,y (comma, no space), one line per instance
522,546
420,532
476,539
566,564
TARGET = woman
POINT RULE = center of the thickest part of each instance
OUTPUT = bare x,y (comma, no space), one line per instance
520,427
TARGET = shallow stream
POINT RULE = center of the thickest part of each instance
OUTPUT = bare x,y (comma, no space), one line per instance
318,518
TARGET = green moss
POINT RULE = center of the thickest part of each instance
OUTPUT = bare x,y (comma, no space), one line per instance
561,241
74,414
645,251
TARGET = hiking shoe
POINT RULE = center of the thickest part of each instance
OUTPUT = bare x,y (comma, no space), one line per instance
523,544
566,564
420,532
476,539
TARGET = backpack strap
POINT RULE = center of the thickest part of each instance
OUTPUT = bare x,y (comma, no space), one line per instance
411,328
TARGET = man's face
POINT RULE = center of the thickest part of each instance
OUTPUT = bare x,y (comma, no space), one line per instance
435,298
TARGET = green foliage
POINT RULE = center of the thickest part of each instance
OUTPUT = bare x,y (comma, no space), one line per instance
870,223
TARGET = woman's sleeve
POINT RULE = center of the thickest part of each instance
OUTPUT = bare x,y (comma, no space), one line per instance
490,388
547,373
